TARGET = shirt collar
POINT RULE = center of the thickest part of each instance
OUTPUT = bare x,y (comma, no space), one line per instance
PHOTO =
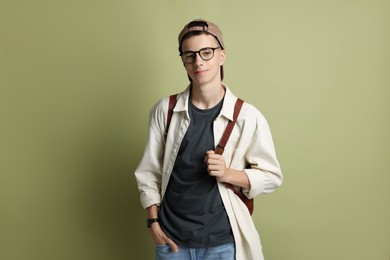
227,106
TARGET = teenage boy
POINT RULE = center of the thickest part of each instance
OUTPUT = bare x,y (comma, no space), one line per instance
185,186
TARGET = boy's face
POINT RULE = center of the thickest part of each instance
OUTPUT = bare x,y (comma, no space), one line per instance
201,71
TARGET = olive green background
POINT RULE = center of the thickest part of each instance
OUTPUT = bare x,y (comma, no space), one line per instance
78,78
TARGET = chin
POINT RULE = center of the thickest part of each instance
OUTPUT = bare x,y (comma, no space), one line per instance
202,79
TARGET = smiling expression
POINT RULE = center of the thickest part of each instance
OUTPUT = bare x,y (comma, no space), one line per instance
200,71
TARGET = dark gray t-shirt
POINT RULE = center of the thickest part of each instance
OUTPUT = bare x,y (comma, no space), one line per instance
192,213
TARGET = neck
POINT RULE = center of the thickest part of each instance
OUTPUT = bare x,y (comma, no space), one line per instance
207,96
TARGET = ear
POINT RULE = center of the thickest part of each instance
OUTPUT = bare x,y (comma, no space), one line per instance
223,57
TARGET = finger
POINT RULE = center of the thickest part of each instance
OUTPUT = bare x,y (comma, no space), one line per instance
207,156
215,163
215,157
173,245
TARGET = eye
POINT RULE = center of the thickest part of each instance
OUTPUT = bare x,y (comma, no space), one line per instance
207,53
188,55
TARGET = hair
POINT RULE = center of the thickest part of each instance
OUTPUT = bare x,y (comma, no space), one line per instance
196,33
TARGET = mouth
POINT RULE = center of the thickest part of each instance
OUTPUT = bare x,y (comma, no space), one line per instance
199,72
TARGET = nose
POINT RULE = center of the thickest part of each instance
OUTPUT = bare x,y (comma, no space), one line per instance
198,60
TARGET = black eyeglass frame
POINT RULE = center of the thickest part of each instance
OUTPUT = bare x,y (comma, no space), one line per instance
198,52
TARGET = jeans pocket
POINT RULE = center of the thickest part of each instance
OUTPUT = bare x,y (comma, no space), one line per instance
162,249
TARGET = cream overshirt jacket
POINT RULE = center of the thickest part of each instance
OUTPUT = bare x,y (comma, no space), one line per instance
250,142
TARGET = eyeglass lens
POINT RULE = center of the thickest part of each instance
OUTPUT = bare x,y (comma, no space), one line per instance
205,53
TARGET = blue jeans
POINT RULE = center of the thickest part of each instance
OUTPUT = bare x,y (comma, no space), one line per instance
223,252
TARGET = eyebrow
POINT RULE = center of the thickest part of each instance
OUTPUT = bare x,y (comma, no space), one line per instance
208,47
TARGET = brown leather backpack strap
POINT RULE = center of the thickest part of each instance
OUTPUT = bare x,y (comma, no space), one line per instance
229,128
249,203
171,106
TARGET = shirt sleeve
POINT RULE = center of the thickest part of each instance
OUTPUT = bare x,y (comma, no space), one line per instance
149,171
264,172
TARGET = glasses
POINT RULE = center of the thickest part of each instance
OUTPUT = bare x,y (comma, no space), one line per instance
205,53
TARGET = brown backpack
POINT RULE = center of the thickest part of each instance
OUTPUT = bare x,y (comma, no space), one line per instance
221,145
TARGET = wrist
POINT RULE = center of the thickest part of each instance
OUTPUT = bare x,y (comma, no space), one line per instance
152,211
150,221
227,176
